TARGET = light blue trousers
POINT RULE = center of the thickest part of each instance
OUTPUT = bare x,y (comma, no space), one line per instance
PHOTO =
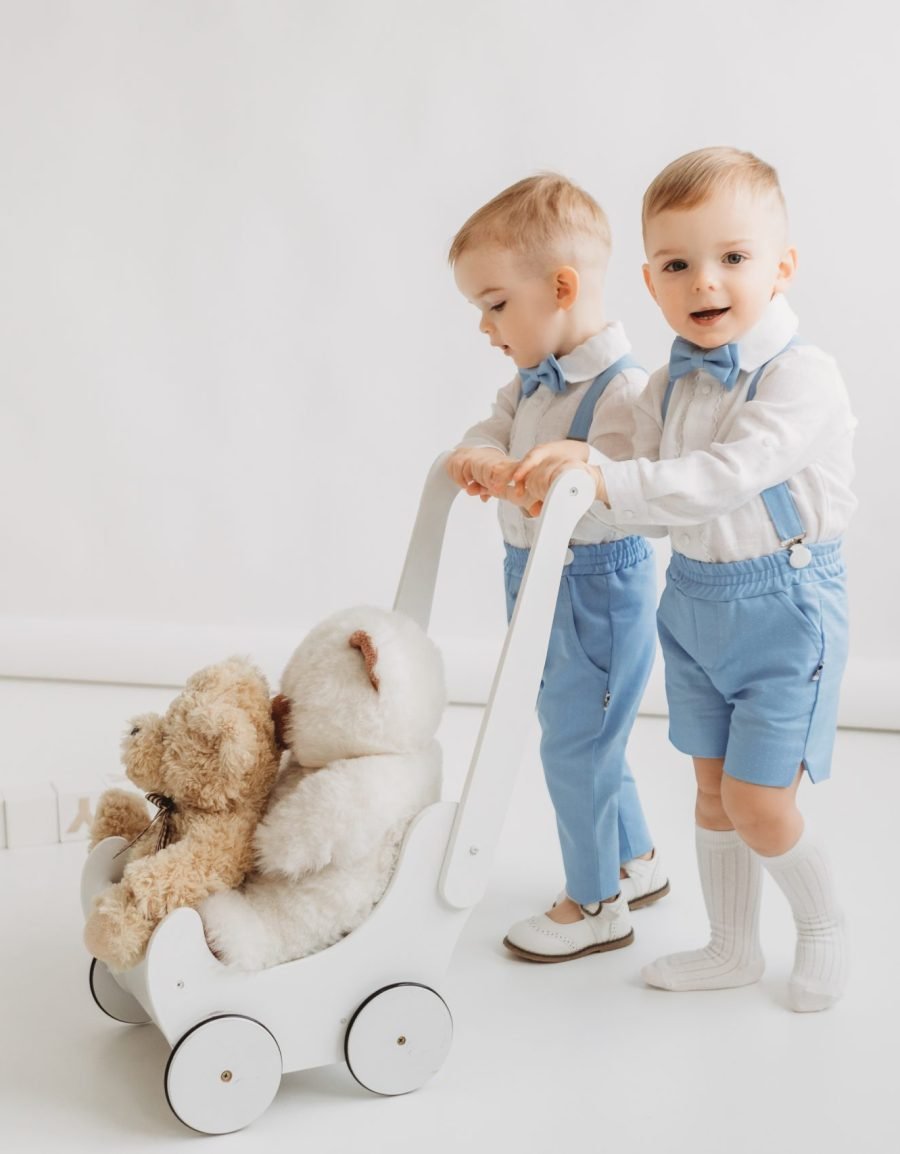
602,646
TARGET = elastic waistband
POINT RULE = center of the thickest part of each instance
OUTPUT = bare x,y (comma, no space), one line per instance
605,557
727,580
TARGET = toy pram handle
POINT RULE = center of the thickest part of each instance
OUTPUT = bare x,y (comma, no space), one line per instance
505,724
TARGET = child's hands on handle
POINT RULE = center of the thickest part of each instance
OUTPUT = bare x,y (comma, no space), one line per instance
532,478
474,470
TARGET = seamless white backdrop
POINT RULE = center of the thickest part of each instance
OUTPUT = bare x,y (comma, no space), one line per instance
230,345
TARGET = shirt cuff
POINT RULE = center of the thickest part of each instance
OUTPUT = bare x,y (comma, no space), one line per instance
627,506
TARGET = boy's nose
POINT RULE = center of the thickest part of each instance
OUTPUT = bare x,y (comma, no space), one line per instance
485,325
706,278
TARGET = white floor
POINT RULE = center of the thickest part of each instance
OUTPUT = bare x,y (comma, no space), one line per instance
579,1056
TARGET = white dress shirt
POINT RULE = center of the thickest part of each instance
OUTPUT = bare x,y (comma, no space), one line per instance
518,423
702,473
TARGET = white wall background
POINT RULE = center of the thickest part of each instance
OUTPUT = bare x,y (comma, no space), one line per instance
229,342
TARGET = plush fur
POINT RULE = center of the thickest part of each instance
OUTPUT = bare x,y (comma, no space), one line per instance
361,701
214,755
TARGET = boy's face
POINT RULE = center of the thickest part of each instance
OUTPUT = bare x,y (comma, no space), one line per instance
522,312
712,269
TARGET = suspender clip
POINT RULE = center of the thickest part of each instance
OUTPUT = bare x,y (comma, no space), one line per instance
799,555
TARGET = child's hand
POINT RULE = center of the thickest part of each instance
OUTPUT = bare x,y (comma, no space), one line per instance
538,469
498,477
471,469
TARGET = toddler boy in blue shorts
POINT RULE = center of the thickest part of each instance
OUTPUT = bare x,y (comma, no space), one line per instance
743,451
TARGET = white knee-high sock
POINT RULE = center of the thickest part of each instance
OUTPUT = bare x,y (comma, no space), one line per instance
821,959
731,880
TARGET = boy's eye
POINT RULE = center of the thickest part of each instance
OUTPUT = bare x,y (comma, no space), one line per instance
675,266
734,258
498,307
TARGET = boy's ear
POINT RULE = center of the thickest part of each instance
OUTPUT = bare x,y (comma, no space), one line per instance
647,280
787,267
566,282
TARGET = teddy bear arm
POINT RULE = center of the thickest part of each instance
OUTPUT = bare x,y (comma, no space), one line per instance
185,873
115,931
119,813
339,814
296,837
388,791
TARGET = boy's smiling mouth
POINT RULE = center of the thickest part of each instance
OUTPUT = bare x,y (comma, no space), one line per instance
708,316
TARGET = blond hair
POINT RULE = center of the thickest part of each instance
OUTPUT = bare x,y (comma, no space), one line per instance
696,176
541,217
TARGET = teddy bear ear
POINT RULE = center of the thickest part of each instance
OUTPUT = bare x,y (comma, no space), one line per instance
281,717
363,642
234,737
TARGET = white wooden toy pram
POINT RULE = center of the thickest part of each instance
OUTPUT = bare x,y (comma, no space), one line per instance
372,999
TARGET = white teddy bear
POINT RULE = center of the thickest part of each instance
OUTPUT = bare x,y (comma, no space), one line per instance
360,702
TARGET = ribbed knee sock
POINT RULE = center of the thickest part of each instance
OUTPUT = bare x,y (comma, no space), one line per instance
821,958
731,879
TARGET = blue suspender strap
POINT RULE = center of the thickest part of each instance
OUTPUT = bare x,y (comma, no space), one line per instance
667,396
779,502
581,425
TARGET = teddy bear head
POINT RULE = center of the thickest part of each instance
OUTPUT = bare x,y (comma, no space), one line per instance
364,681
214,749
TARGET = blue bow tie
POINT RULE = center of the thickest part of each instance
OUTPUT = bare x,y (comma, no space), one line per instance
548,373
723,363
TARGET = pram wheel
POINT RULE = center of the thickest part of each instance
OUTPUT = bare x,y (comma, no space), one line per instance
398,1038
223,1074
115,1002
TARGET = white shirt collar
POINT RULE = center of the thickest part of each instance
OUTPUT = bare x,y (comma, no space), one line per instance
596,354
769,335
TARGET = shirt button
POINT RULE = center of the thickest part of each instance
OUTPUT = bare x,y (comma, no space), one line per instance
684,538
628,513
706,390
768,443
570,557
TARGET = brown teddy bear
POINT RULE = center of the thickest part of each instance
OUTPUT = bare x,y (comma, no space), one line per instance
208,765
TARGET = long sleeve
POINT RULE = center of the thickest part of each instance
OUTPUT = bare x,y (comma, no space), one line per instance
800,409
495,430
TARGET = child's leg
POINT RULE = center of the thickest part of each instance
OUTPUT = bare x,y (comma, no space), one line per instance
767,819
643,876
730,879
598,663
586,708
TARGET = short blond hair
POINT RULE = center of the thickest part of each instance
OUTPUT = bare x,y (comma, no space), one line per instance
696,176
541,217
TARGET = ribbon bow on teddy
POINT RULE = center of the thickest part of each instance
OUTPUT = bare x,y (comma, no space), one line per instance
167,808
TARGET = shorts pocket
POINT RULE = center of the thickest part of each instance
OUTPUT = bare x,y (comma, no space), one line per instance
802,604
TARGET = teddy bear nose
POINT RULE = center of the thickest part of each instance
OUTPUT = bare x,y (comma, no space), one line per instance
137,729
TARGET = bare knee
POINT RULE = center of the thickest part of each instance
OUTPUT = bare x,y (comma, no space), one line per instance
709,810
766,817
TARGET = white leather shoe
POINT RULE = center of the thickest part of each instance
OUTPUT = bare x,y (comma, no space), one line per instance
645,882
539,939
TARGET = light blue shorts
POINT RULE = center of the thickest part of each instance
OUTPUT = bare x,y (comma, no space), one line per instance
754,654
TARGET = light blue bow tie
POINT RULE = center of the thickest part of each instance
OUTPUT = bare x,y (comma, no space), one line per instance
723,363
548,373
